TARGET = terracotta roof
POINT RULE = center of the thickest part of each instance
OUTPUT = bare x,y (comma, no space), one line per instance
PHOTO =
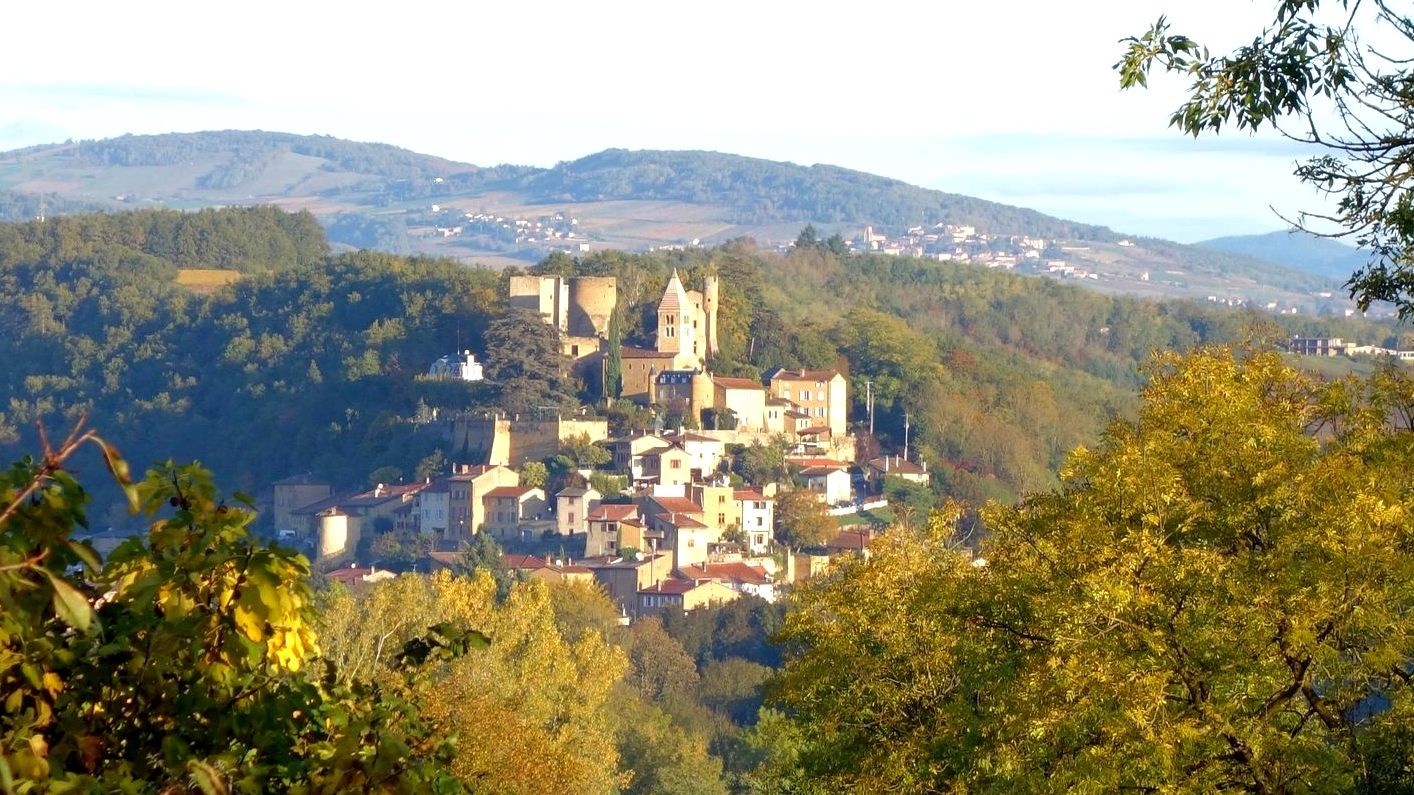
674,297
737,383
851,539
611,512
816,462
573,491
749,494
677,505
813,471
509,491
353,575
514,561
815,429
738,571
683,521
673,586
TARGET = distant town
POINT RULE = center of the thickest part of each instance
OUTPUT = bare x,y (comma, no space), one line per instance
678,527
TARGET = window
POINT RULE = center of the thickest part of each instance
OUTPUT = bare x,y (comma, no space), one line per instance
721,518
677,464
721,499
571,518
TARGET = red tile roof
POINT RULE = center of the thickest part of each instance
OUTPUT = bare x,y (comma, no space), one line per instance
610,512
677,505
828,463
737,383
674,586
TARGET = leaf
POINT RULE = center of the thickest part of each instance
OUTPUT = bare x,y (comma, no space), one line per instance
206,777
69,603
121,473
86,554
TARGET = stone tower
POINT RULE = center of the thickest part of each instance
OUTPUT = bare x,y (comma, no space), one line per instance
675,327
709,309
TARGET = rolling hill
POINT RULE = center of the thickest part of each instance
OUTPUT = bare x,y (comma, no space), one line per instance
377,196
1295,249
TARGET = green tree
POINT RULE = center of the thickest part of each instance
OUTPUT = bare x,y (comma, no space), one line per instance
533,475
1216,597
802,520
613,363
1312,76
524,357
762,463
179,663
482,553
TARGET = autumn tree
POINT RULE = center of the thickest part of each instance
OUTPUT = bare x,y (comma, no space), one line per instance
802,520
182,662
1333,75
1216,597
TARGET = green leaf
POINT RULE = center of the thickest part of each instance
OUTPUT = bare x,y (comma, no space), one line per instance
206,777
86,554
70,605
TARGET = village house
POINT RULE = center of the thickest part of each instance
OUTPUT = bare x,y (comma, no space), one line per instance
705,453
758,518
680,594
745,398
467,486
293,493
821,394
547,570
572,507
602,528
433,508
878,469
622,577
720,509
515,512
738,575
463,367
669,467
680,523
827,477
628,452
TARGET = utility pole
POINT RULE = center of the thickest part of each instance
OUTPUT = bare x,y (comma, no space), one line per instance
869,401
905,436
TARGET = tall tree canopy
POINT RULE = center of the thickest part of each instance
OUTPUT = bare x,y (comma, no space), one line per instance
1217,597
1334,75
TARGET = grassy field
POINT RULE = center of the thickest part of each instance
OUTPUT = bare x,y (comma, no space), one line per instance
206,280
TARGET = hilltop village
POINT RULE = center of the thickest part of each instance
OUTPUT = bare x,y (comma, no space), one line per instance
659,517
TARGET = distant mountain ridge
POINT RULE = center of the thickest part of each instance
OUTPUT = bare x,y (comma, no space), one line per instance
211,166
383,197
1295,249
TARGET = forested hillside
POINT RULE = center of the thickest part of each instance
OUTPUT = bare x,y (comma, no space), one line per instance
304,360
309,361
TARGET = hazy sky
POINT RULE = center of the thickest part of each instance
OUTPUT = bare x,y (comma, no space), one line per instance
1013,101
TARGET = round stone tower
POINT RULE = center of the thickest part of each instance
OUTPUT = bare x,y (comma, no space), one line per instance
591,304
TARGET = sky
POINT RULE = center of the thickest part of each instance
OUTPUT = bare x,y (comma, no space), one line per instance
1011,101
